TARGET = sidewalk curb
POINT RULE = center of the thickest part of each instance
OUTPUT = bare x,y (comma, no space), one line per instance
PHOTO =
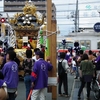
72,91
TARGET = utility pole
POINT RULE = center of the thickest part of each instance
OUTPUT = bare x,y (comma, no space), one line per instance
51,26
76,17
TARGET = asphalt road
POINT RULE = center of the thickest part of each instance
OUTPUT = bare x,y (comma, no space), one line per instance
73,87
21,90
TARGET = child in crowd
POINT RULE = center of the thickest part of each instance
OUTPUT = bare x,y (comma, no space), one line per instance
70,63
74,65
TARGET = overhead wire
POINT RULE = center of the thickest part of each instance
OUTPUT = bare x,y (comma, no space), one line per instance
75,5
74,10
73,24
79,17
78,3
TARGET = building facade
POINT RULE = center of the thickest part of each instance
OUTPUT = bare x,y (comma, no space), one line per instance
88,38
17,6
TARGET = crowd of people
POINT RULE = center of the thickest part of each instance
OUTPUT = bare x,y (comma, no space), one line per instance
35,74
84,65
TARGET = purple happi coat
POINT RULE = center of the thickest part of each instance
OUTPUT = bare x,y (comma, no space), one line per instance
40,73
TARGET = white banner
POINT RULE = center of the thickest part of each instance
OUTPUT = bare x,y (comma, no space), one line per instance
52,81
25,39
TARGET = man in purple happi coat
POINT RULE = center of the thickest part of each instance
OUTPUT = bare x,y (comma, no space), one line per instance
97,61
10,73
40,76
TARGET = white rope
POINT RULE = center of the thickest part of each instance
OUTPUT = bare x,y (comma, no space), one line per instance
12,37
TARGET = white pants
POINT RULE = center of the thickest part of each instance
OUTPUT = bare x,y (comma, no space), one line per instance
39,92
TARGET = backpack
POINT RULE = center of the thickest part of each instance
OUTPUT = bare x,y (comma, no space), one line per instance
61,70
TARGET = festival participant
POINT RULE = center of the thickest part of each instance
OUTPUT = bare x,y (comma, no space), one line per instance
10,73
86,75
67,55
3,86
74,65
91,56
40,76
15,59
78,61
97,62
35,50
62,74
97,67
27,66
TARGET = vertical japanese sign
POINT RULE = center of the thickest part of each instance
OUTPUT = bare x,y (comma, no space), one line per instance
2,5
88,13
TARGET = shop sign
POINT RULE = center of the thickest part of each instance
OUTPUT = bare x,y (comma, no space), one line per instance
97,27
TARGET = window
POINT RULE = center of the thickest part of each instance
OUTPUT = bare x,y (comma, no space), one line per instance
86,43
98,45
68,45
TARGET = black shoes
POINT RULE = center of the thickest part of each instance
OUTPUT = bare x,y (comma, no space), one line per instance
65,95
75,77
88,98
79,98
60,95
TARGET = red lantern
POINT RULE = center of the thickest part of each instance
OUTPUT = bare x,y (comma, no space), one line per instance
2,20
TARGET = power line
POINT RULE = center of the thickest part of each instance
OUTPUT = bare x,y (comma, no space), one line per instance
64,10
65,4
78,3
75,10
73,24
74,17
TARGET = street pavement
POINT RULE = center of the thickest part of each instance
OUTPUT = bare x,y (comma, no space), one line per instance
73,87
21,90
76,85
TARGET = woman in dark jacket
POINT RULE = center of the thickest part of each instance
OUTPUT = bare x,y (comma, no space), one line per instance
86,74
27,65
